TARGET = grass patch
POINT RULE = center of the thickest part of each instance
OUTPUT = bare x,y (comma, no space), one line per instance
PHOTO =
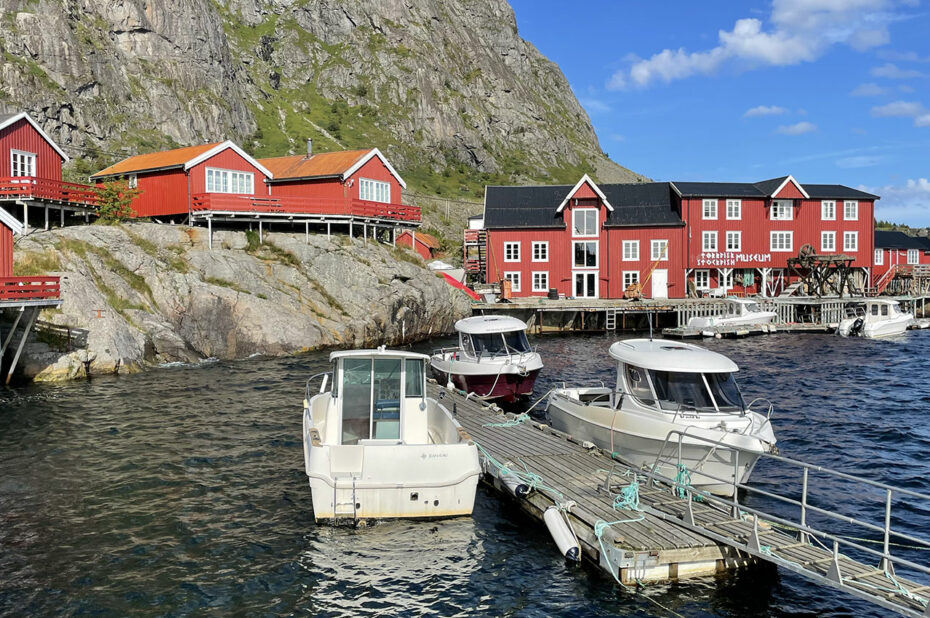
224,283
143,243
332,302
403,255
134,280
28,264
252,241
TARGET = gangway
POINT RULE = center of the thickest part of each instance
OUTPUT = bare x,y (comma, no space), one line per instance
757,524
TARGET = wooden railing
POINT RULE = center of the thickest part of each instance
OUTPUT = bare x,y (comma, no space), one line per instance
224,202
47,189
40,287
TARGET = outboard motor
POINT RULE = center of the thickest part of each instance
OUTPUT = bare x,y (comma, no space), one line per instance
856,327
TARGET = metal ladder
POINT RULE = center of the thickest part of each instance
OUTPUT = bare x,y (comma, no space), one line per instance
610,319
336,504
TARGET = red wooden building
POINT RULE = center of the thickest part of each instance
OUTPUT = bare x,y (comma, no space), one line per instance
170,180
896,255
424,244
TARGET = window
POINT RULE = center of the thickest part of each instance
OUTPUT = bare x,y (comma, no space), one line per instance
710,209
659,250
850,241
133,181
540,251
22,163
511,252
725,278
584,222
828,210
708,242
913,256
585,255
374,190
734,209
827,242
781,241
782,210
702,279
540,281
879,257
851,210
413,377
734,241
229,181
514,279
630,250
630,277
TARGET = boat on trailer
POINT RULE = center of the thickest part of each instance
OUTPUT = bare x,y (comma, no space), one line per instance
876,317
375,446
493,359
738,311
676,410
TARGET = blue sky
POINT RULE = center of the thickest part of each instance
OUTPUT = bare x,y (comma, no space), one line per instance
830,91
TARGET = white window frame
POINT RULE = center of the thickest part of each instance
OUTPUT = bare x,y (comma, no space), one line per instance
850,207
705,246
725,279
733,234
20,160
540,251
544,276
781,234
597,254
784,209
512,251
823,242
879,257
585,233
709,209
850,246
630,277
514,277
374,190
132,181
828,210
633,254
734,210
217,180
658,249
913,256
702,273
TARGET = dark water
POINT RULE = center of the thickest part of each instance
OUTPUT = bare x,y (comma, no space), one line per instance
182,491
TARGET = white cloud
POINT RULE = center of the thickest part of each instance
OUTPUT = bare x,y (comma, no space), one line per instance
908,203
595,105
922,120
893,71
904,109
798,31
858,162
902,56
799,128
616,137
764,110
868,90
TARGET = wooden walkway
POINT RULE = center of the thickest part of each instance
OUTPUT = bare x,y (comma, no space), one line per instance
669,538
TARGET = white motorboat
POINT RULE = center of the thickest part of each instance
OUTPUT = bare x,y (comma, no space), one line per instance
739,311
493,358
876,317
673,402
375,446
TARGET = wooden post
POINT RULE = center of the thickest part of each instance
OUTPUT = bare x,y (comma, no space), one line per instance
260,232
328,231
307,232
25,217
210,232
62,216
22,342
46,218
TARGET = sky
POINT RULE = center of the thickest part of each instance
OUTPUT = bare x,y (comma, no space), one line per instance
829,91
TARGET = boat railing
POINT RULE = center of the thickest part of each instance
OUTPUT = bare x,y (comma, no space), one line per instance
818,502
444,351
762,400
585,385
326,375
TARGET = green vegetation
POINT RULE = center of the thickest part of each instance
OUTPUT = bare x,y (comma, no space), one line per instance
252,242
405,255
143,243
133,280
332,302
114,201
223,283
31,263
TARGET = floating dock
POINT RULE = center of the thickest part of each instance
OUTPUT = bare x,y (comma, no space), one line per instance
664,534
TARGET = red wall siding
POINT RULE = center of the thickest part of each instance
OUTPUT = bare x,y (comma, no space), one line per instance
163,193
22,136
673,262
6,251
404,240
330,188
374,169
227,159
789,192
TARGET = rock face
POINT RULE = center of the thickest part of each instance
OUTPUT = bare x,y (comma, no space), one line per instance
143,294
447,89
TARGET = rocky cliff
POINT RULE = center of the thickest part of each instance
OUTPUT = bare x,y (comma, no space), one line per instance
448,90
141,294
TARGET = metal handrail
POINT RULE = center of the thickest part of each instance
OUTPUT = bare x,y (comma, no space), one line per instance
768,415
322,386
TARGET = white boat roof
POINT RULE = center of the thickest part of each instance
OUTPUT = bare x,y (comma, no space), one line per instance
379,353
482,324
666,355
881,301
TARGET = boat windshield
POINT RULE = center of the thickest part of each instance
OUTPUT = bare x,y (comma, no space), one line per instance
492,344
754,307
516,341
677,391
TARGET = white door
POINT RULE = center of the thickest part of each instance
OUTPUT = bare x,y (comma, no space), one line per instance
585,284
659,283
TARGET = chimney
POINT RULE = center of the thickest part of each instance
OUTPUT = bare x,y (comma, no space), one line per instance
309,147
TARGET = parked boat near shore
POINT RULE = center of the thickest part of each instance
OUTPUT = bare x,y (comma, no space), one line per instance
876,317
739,311
493,359
375,446
676,408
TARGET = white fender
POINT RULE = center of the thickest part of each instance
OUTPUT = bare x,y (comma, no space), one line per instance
562,534
514,485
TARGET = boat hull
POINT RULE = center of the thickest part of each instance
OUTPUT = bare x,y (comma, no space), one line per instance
507,387
761,317
875,330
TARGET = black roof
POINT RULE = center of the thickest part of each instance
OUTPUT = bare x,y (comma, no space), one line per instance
765,188
887,239
535,207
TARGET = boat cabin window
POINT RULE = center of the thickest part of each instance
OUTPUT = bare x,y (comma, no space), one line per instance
884,309
356,400
874,309
638,386
385,418
414,378
754,307
466,345
334,388
731,309
516,341
371,396
726,392
695,391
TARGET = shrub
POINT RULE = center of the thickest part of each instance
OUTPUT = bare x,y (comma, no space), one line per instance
114,201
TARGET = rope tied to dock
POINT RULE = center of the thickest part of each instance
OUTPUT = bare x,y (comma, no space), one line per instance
533,481
517,420
683,484
628,498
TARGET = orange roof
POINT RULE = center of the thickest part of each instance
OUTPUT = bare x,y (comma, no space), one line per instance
430,241
157,160
322,164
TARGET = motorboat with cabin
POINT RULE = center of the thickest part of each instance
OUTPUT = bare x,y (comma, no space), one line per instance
493,359
375,446
674,403
738,311
876,317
